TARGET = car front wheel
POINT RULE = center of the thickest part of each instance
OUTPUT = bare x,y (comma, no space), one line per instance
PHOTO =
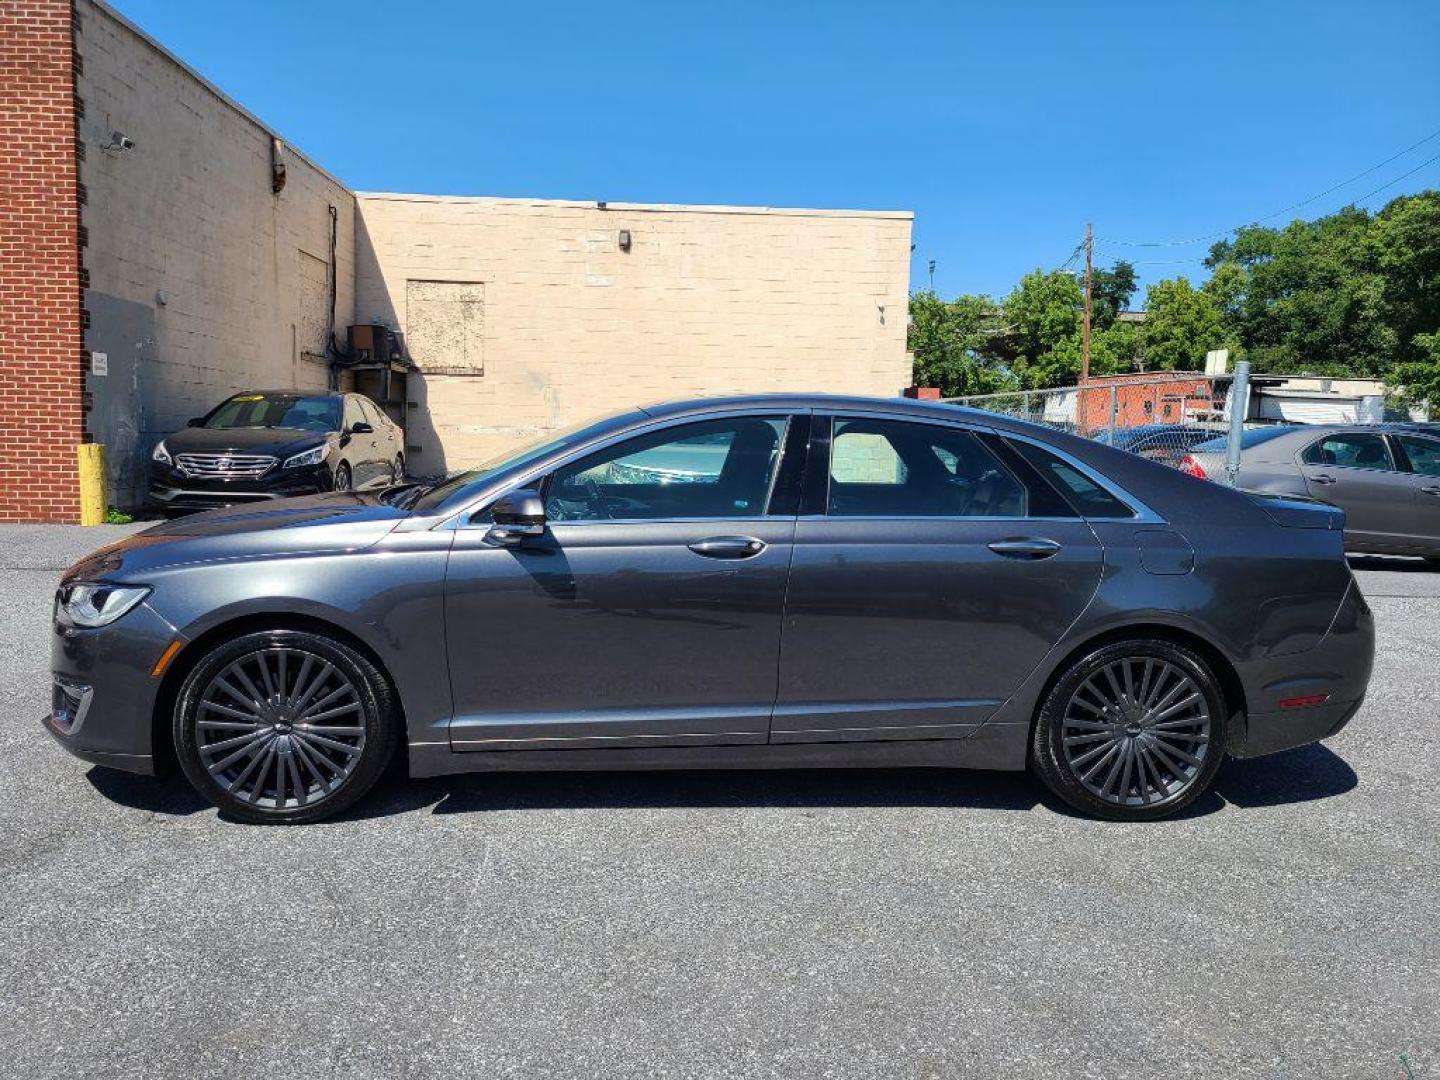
1131,732
284,727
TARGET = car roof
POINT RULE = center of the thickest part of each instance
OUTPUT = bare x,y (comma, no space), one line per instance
294,391
935,410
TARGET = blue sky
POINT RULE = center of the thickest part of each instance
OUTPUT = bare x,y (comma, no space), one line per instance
1004,126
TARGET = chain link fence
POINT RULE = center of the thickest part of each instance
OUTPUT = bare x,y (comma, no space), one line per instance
1161,418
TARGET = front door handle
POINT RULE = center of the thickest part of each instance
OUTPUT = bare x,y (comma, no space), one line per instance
1431,489
1024,547
728,547
1323,478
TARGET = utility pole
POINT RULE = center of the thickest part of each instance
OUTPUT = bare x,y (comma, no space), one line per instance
1085,326
932,275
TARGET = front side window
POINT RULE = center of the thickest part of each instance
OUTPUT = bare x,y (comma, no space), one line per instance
712,469
1424,454
311,413
1357,450
903,469
353,415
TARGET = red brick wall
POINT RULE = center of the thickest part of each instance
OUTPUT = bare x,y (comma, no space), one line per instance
41,318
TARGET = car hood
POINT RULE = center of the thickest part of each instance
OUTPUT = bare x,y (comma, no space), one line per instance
277,441
317,524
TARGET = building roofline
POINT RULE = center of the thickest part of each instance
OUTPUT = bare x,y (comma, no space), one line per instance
633,208
290,148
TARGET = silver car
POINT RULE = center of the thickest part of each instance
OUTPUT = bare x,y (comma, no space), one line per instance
1386,477
760,582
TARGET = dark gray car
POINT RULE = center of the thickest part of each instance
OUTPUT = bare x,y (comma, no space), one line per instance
1386,477
742,583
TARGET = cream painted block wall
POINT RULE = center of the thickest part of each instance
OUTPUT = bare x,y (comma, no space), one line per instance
189,213
709,300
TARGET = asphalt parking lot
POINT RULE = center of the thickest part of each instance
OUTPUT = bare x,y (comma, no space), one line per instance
843,924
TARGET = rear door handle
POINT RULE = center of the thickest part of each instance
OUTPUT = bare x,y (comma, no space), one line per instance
1431,489
1323,478
1024,547
728,547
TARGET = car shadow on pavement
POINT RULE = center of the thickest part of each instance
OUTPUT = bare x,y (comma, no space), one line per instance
1302,775
1398,563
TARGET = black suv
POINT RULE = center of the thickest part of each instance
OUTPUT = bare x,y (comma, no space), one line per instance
267,444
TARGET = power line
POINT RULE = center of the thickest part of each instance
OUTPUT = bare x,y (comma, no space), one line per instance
1302,202
1353,202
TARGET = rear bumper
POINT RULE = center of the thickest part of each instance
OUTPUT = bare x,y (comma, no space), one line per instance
1308,696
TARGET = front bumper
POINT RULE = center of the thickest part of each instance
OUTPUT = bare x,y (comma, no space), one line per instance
174,490
103,695
1328,680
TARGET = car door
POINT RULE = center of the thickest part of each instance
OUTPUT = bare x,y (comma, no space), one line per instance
354,448
1356,471
649,611
928,580
1420,455
384,440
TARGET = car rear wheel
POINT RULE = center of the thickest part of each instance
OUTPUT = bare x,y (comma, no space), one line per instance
284,727
1131,732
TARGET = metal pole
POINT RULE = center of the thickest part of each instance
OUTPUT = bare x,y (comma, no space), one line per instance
1085,326
1239,408
1113,411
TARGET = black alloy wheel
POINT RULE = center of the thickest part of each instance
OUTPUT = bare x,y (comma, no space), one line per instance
284,726
1134,731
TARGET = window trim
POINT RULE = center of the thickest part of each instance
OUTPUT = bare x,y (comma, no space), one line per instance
464,517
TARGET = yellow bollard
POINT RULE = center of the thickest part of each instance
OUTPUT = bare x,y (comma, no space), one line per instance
91,458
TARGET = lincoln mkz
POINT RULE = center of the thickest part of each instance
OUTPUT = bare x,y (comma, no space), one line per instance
761,582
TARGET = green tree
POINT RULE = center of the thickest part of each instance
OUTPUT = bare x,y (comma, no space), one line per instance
1181,325
1110,293
1349,294
953,342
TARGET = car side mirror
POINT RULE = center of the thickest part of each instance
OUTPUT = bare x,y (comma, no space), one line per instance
195,421
517,515
360,427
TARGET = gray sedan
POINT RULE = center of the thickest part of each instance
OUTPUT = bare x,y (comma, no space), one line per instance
753,582
1386,477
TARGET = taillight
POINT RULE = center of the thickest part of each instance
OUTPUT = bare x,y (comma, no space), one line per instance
1191,467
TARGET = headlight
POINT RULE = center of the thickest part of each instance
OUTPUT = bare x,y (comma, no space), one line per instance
94,603
308,457
160,454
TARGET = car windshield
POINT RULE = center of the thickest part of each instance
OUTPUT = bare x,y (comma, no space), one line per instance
514,457
318,413
1250,438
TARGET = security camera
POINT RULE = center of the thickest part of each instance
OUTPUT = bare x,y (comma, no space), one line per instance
119,142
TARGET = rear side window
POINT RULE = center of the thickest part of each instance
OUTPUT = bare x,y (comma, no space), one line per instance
895,468
1092,500
1355,450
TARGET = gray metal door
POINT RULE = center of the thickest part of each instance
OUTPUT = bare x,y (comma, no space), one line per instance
924,594
648,614
1355,470
1422,455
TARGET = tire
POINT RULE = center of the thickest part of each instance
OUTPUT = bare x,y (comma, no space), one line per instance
1115,762
285,772
343,480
